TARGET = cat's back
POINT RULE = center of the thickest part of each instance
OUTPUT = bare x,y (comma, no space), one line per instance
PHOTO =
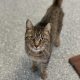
54,11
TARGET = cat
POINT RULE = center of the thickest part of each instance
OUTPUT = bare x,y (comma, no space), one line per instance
39,39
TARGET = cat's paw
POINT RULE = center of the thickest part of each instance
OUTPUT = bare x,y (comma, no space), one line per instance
57,42
44,75
34,68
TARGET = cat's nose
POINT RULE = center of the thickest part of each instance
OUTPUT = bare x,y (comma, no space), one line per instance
36,45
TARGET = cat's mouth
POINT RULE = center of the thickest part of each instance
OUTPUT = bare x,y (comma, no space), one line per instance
37,49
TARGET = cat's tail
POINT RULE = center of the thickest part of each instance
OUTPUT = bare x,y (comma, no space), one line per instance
57,2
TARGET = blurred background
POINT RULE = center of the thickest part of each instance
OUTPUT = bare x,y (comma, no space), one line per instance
14,62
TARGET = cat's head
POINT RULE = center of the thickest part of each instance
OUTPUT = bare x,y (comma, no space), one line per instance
37,39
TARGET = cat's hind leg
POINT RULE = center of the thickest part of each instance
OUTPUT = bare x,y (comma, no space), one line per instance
59,28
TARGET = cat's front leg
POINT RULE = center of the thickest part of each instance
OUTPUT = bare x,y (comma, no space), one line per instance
43,71
34,66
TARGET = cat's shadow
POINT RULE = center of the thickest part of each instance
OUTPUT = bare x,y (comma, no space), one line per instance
24,71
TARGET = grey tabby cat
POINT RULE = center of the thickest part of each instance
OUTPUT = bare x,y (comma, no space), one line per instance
39,39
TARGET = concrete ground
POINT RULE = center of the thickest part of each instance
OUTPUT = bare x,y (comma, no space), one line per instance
14,63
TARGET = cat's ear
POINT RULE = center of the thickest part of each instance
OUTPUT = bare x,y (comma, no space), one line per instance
47,28
29,25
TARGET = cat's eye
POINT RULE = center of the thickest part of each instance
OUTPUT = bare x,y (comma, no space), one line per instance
42,38
29,36
45,37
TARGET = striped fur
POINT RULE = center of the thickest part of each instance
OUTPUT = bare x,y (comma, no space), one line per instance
39,39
